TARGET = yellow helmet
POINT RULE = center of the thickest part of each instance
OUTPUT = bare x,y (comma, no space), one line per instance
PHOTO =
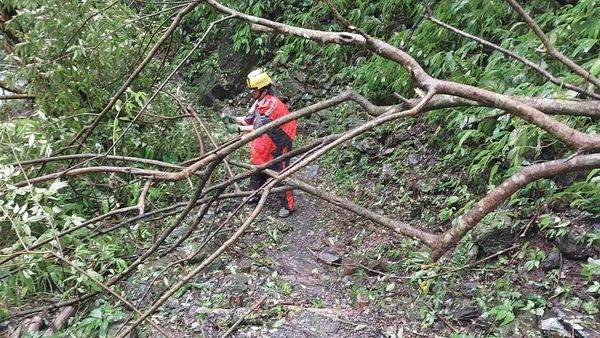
258,79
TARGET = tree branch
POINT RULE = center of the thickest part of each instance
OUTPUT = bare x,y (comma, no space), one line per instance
184,279
499,194
550,47
515,56
571,137
16,97
402,228
546,105
91,170
141,205
85,133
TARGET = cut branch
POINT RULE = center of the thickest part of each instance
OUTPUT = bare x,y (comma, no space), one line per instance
60,320
546,105
90,170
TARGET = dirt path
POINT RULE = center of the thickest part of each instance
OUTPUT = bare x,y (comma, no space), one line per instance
305,296
318,299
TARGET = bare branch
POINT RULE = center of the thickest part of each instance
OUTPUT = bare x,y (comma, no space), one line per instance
546,105
60,320
499,194
91,170
141,205
574,139
16,97
100,157
184,279
550,47
515,56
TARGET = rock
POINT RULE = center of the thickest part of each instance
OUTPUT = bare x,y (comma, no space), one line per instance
312,170
237,298
190,315
367,146
397,137
135,289
413,159
387,151
567,179
495,232
227,77
114,329
353,121
217,264
301,76
567,323
552,261
291,89
596,226
425,186
305,324
431,162
310,126
172,303
387,172
470,288
553,325
237,285
236,281
568,246
376,265
472,254
362,300
245,265
330,256
467,315
196,253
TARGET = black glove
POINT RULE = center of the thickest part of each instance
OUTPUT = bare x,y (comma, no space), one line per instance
233,128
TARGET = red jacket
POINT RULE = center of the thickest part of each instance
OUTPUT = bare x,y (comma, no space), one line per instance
276,141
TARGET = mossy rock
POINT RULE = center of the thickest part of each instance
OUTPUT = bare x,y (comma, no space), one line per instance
496,232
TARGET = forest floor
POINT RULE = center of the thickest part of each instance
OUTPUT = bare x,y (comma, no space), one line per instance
323,272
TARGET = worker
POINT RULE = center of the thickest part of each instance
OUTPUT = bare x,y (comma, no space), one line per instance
276,142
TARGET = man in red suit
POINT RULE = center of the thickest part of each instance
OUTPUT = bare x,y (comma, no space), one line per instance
272,144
